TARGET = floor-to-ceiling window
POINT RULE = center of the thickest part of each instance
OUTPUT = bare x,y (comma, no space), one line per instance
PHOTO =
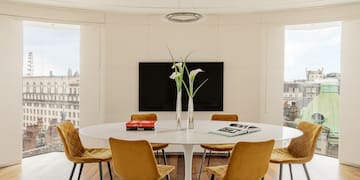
51,83
312,80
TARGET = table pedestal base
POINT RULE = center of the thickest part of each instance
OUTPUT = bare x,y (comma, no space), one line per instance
188,156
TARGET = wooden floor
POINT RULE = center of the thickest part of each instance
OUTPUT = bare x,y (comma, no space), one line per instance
54,166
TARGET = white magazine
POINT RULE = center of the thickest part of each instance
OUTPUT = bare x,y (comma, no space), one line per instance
235,129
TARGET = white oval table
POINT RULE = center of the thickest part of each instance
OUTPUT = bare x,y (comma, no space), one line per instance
167,133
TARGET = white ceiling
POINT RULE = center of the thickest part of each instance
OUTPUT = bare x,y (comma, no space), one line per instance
202,6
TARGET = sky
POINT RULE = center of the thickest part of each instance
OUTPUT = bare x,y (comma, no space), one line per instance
311,47
55,47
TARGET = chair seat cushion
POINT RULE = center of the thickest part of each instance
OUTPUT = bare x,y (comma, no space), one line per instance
157,146
218,171
218,147
282,155
164,170
94,155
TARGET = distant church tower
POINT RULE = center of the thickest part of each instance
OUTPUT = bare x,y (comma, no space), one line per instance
69,73
30,65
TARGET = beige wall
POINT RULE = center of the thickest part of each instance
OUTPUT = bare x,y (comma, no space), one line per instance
91,78
350,96
10,93
130,39
251,46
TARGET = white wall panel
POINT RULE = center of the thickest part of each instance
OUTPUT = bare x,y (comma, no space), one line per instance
272,79
91,87
11,50
350,96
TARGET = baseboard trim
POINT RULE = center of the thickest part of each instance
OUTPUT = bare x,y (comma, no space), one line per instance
9,164
350,164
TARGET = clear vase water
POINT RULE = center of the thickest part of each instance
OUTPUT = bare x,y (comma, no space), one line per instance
190,118
178,110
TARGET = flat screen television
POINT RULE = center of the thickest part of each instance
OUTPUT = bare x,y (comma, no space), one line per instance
157,92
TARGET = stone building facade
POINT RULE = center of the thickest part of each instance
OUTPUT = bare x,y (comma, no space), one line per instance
47,101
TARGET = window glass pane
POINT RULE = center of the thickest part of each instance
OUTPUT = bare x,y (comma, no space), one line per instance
312,79
51,58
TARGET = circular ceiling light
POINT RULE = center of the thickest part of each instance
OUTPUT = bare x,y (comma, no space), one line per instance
183,17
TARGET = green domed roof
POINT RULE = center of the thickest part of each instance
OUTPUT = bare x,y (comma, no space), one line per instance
325,104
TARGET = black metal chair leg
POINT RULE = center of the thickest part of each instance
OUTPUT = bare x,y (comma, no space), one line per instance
164,156
100,171
109,167
306,172
157,156
165,162
202,163
291,175
81,168
280,173
209,158
212,177
72,171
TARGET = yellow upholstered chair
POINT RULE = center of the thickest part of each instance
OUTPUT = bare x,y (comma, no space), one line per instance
217,147
248,161
225,117
151,117
300,150
77,153
134,160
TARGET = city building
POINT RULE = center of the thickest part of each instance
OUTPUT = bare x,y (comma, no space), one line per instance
48,100
315,99
303,91
313,75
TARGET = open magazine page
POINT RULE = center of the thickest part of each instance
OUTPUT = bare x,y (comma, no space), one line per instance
235,129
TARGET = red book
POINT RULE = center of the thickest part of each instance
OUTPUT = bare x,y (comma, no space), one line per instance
140,125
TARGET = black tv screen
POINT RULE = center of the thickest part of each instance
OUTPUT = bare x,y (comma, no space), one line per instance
157,92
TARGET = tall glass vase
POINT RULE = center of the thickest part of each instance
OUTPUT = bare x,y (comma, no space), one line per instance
190,118
178,110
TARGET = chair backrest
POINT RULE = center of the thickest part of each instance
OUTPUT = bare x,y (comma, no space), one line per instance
225,117
70,138
133,160
249,160
147,117
304,146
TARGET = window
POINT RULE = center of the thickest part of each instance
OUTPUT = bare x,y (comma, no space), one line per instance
27,87
56,88
50,52
34,87
312,63
41,87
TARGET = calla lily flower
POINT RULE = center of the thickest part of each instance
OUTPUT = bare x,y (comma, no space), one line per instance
178,65
190,87
179,69
194,72
174,75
